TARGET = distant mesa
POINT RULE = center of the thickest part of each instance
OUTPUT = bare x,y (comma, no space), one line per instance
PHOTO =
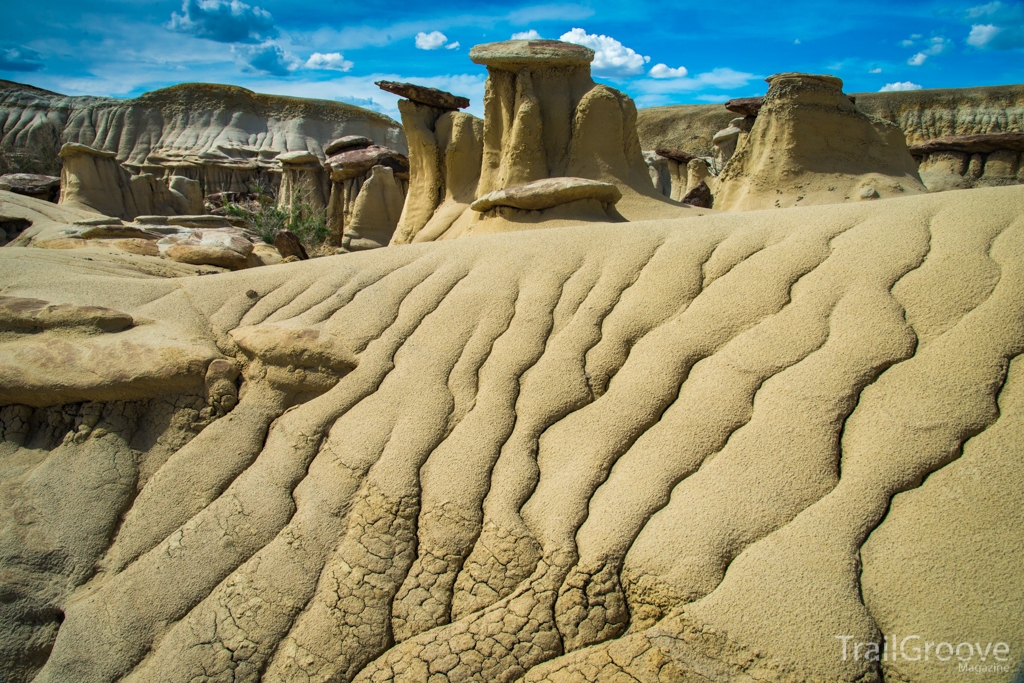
424,95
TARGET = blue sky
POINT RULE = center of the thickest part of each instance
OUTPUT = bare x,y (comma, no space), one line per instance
657,52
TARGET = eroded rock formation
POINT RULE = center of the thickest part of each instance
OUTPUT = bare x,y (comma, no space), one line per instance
811,145
699,451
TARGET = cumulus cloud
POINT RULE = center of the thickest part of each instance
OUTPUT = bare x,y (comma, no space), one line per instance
611,58
452,46
19,58
430,41
876,70
899,86
1003,30
267,58
332,61
936,46
527,35
226,21
665,71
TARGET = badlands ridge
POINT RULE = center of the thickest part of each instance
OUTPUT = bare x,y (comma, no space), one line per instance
550,423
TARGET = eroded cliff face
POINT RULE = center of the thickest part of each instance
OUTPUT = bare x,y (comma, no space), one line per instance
672,450
920,114
224,136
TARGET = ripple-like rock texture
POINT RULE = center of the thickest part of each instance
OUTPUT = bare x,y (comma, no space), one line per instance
682,450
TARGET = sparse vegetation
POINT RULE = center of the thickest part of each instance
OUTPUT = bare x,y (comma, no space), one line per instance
260,213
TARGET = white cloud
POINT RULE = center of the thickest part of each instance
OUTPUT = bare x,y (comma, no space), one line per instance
936,46
611,58
430,41
899,86
876,70
526,35
452,46
982,34
906,42
332,61
796,42
664,71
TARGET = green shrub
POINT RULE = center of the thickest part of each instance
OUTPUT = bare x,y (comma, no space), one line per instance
308,224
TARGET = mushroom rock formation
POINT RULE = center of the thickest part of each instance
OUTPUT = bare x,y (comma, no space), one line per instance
544,117
424,95
811,145
963,161
445,156
349,168
697,172
45,187
304,184
728,139
668,171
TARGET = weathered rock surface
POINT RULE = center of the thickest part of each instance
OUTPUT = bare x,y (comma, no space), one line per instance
288,244
664,451
699,195
921,115
376,211
424,95
810,145
45,187
223,136
746,106
548,193
218,247
972,144
347,142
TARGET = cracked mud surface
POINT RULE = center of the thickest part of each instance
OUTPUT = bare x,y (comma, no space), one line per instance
684,450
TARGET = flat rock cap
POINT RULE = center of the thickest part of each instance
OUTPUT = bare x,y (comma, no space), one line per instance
298,157
424,95
748,106
71,149
347,142
547,193
825,79
516,54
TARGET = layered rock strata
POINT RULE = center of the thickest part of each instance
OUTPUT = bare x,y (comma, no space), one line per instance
809,145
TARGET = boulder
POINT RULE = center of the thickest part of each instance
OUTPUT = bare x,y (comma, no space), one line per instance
352,163
213,247
810,145
45,187
548,193
699,196
347,142
288,244
424,95
191,192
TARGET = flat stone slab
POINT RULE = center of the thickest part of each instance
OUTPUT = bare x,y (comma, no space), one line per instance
424,95
347,142
972,144
298,157
356,162
747,106
677,155
99,220
516,54
71,149
547,193
30,184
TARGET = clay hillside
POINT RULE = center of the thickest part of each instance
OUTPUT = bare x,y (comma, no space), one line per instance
542,403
